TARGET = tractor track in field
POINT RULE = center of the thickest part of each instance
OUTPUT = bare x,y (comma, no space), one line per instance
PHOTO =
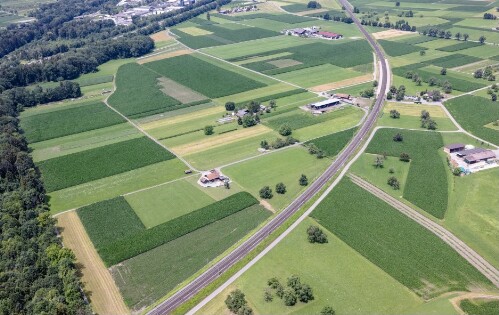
453,241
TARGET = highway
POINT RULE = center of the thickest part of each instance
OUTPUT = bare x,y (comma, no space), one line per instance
237,254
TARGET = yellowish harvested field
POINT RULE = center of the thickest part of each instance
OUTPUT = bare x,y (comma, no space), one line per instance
211,142
311,12
160,37
342,83
166,55
390,34
182,118
195,31
99,285
415,109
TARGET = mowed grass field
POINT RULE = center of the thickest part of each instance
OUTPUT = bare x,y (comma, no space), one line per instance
68,121
78,168
430,193
166,202
285,166
145,278
419,259
339,276
473,113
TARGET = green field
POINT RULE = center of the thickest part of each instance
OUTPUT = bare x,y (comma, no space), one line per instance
192,72
147,277
318,75
141,96
395,49
332,144
473,113
116,185
82,141
68,121
268,170
166,202
78,168
339,276
430,193
118,250
480,306
419,260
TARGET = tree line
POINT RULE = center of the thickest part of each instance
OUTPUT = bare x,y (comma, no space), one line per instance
38,275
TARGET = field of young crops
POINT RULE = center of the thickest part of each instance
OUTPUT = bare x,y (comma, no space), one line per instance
332,144
459,46
430,193
473,112
193,73
401,247
140,96
480,307
298,118
68,121
395,49
78,168
116,250
149,276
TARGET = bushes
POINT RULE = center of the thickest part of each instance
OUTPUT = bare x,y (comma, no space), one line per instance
192,72
78,168
145,240
69,121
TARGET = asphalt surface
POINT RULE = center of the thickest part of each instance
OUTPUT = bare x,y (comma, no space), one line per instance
237,254
459,246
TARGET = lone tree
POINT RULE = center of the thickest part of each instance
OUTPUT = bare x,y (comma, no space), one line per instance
230,106
465,36
443,71
378,161
303,181
393,182
208,130
398,137
280,188
404,157
285,130
314,5
235,300
316,235
266,193
422,52
328,310
273,104
264,144
482,39
394,113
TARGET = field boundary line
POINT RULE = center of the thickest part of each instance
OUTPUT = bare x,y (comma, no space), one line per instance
475,259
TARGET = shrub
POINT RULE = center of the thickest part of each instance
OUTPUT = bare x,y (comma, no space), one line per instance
398,137
303,181
316,235
394,113
405,157
208,130
285,130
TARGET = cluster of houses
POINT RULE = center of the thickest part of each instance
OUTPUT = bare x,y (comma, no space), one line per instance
470,159
248,8
313,31
131,8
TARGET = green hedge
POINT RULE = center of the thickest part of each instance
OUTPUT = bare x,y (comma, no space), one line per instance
146,240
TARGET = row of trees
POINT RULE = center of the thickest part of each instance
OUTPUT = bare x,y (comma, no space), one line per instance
435,32
399,25
38,275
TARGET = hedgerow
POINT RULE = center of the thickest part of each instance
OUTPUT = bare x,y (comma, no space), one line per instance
78,168
398,245
473,112
332,144
69,121
429,192
145,240
193,73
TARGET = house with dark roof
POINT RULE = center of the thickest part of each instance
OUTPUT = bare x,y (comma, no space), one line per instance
478,157
464,153
454,147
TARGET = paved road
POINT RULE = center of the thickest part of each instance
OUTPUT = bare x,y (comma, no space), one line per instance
459,246
237,254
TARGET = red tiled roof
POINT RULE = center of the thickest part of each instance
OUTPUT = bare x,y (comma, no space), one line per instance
328,34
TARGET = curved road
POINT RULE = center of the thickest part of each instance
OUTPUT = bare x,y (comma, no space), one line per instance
237,254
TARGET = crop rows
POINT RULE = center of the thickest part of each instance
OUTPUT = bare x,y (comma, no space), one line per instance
300,119
395,49
429,192
473,112
69,121
140,95
401,247
147,239
193,73
459,46
332,144
78,168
